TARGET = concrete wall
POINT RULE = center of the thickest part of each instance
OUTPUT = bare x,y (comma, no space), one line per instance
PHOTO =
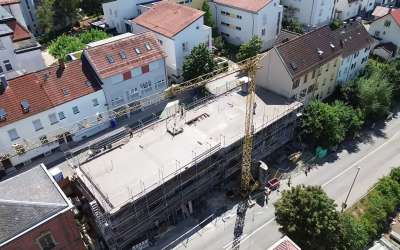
243,25
115,87
314,13
62,228
27,133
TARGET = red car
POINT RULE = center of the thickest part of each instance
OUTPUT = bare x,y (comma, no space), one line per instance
273,184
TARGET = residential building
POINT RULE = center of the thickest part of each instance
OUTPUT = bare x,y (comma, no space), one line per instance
203,145
380,11
346,9
312,14
284,243
307,67
13,7
35,214
356,45
388,3
130,68
117,12
386,29
240,20
42,110
20,53
178,29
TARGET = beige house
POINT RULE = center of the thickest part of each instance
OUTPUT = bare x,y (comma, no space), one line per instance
307,67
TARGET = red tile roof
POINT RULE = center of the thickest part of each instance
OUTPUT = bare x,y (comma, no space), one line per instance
285,244
20,32
301,54
168,18
97,55
248,5
8,2
396,15
44,90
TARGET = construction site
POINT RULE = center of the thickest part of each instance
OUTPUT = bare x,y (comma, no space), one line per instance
157,175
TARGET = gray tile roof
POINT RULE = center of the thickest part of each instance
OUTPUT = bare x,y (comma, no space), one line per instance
26,200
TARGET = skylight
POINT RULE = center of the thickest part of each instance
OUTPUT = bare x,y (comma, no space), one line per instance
3,114
110,59
25,106
147,45
137,51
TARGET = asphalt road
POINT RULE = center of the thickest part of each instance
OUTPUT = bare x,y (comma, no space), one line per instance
375,156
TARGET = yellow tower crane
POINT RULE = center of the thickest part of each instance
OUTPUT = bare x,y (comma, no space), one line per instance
250,67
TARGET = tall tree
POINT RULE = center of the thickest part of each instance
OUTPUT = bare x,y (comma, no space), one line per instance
92,7
249,49
207,14
45,14
66,12
354,235
309,217
199,62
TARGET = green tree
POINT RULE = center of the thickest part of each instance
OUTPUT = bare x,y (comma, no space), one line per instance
199,62
207,14
309,217
64,45
249,49
92,35
336,24
293,25
66,12
45,14
375,96
352,119
392,73
354,235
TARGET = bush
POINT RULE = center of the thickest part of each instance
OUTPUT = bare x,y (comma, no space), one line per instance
92,35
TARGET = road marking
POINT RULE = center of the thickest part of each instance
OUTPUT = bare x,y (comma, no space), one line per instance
326,183
230,243
360,160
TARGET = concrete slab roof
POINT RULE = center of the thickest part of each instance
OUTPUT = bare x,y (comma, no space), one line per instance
121,175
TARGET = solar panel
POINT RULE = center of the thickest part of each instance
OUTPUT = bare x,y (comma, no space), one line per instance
25,106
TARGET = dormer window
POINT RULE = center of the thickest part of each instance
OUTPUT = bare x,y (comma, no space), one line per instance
110,59
3,114
25,106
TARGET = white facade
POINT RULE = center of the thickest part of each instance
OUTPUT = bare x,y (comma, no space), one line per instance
352,65
120,92
16,11
27,134
386,29
179,46
238,26
29,8
345,9
312,14
18,62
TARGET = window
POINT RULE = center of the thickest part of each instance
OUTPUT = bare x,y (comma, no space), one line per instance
161,42
117,101
263,32
185,46
1,69
224,34
43,139
53,118
95,102
296,84
313,74
7,65
377,33
305,78
238,16
12,133
327,67
334,65
75,110
37,125
46,242
127,75
110,59
225,24
238,28
387,23
137,71
61,115
145,69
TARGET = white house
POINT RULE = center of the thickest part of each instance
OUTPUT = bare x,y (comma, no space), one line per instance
178,29
239,20
117,12
13,7
346,9
19,51
312,14
307,67
354,54
38,108
386,29
129,68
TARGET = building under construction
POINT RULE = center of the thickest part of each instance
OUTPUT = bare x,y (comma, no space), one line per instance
159,175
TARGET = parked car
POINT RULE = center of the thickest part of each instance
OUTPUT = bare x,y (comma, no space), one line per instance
274,184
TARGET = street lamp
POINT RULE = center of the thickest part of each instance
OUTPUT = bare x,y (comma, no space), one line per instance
344,204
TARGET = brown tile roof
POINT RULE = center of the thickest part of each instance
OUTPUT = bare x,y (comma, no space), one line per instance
97,55
8,2
315,48
45,89
167,18
20,32
249,5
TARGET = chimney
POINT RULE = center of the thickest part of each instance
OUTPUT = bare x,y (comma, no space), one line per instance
61,63
3,84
